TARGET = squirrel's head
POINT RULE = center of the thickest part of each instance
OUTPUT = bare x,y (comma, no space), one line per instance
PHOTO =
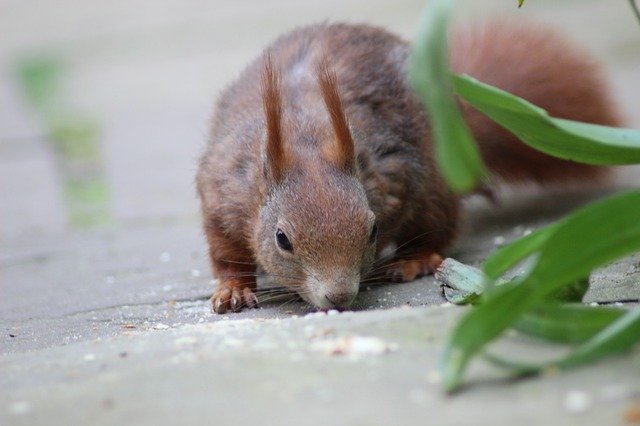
316,233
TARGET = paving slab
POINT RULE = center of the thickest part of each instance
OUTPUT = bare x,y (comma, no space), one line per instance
368,368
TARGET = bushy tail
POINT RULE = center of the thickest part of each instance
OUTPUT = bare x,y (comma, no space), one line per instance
544,68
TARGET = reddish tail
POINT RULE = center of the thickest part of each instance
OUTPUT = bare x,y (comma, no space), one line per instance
544,68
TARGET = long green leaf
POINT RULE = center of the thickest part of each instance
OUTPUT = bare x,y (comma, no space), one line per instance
506,257
455,149
570,140
567,323
619,336
591,237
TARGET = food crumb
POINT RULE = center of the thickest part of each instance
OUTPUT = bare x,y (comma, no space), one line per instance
160,326
577,401
354,346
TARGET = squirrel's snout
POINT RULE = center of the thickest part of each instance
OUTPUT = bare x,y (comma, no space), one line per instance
341,299
332,293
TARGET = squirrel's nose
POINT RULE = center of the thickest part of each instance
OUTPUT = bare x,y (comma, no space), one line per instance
340,300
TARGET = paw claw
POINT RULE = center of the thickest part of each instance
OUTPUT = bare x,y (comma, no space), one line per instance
250,299
220,300
236,300
233,299
433,262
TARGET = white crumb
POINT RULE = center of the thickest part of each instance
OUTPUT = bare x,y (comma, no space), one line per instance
577,401
354,346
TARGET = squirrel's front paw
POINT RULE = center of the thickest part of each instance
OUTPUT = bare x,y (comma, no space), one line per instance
404,270
234,298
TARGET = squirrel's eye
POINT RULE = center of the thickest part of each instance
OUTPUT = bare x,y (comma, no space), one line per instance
374,234
282,241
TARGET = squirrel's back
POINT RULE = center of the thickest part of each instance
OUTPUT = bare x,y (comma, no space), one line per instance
390,128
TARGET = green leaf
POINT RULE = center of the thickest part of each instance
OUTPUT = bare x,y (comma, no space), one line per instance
40,80
456,151
508,256
567,323
570,140
591,237
572,292
634,7
619,336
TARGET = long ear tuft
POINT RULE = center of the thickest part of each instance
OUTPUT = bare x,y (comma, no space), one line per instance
277,160
341,150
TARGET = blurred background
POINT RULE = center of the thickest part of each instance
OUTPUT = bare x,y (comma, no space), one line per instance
104,105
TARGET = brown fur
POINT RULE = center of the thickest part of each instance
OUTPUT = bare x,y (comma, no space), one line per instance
539,65
277,157
328,179
340,151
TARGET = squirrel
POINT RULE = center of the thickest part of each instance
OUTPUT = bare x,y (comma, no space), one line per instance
321,154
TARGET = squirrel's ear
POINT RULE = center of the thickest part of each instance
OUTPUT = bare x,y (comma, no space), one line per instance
340,150
276,158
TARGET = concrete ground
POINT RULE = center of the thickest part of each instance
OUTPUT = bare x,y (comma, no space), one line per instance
107,321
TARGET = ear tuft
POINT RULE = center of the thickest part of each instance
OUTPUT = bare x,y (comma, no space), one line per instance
277,161
340,151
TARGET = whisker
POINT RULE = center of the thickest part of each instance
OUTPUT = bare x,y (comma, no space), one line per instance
237,262
400,247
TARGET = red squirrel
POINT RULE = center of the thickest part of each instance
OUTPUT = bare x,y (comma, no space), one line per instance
321,154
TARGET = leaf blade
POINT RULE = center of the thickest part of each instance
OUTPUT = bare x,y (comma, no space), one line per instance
621,335
456,152
581,142
567,323
506,257
581,242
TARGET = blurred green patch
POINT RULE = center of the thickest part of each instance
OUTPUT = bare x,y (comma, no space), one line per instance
87,201
40,77
75,137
